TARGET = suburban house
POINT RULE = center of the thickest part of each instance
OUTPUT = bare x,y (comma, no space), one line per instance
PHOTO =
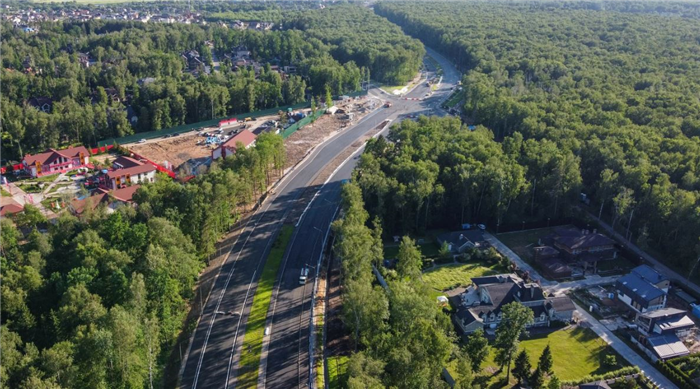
245,137
460,241
127,171
43,104
570,245
554,267
9,206
56,161
665,321
479,306
643,290
111,198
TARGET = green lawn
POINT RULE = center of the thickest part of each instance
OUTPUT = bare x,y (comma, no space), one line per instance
337,369
5,193
576,352
521,242
429,250
250,360
49,178
31,188
448,276
621,264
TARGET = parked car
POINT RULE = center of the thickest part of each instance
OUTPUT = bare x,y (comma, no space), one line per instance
142,141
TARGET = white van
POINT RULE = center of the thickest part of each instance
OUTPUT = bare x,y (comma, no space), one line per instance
303,276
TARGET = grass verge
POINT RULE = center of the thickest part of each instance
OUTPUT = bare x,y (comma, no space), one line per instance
320,377
337,371
454,99
252,343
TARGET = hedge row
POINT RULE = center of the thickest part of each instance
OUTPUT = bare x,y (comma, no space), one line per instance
676,375
623,372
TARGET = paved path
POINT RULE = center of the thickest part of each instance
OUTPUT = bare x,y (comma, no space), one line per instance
623,349
503,249
656,263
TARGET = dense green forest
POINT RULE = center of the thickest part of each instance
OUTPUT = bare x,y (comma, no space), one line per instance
401,337
90,95
98,302
357,34
614,93
123,54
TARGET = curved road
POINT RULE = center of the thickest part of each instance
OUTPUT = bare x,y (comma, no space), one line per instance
215,348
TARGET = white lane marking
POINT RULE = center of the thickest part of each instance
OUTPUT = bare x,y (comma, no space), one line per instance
238,326
334,172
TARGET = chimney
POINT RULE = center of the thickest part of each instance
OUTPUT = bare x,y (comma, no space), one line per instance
461,236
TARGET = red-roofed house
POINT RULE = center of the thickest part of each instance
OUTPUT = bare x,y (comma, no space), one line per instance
8,206
227,148
56,161
112,198
120,178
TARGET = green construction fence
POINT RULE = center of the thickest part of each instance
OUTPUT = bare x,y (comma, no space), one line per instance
194,126
301,123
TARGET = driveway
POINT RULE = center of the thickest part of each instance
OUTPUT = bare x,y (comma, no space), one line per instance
503,249
623,349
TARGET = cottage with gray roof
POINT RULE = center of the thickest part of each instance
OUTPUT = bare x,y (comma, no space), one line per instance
638,291
481,304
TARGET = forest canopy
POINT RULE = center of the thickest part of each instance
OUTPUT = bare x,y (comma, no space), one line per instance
616,92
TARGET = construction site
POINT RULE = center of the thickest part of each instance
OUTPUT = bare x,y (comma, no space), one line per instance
192,151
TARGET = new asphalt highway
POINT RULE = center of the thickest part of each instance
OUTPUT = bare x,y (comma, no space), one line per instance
213,355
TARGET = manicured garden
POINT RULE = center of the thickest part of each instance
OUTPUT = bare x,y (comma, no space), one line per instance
449,276
577,353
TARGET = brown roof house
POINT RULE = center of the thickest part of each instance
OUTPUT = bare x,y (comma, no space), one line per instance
56,161
582,247
111,198
133,174
8,206
549,260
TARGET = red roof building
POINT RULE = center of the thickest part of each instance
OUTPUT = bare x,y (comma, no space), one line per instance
112,198
127,171
245,137
56,161
8,206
